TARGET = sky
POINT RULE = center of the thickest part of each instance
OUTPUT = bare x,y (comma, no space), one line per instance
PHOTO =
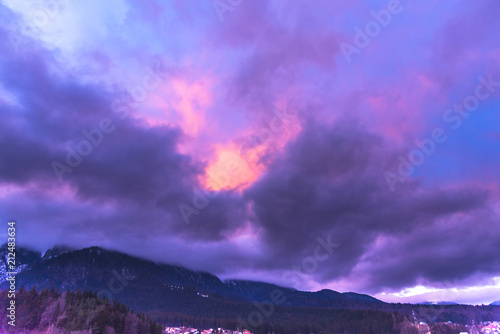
344,145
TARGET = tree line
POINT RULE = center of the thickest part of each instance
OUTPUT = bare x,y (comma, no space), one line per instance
69,311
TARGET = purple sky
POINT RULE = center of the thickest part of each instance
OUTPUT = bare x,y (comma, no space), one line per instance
242,136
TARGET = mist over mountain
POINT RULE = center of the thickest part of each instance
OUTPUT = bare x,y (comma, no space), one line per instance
438,303
145,284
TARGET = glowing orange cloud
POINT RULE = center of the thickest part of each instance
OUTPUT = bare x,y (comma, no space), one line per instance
237,167
230,170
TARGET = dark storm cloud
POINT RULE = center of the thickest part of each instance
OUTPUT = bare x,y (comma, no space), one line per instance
329,182
132,165
447,254
220,214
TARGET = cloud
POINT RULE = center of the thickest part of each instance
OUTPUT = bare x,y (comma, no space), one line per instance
269,87
330,182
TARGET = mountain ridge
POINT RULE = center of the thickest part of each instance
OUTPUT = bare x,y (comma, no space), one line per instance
118,275
170,293
60,250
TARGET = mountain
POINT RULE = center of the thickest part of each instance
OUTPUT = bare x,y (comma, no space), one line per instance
260,292
175,295
56,251
145,285
438,303
23,259
497,303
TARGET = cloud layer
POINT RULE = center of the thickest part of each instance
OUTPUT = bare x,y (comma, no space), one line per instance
240,139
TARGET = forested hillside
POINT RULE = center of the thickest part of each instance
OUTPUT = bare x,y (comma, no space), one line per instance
61,313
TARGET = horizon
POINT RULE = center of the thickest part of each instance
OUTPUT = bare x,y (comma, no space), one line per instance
344,146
